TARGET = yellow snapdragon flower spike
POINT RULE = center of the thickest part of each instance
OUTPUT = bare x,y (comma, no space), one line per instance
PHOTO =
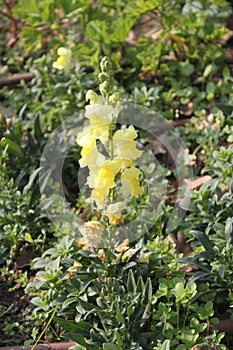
64,59
124,144
130,182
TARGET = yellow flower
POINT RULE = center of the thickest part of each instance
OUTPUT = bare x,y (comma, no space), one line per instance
130,182
100,114
92,234
124,144
116,219
105,178
103,181
98,196
113,212
89,135
91,157
114,164
64,59
123,246
93,98
76,265
143,257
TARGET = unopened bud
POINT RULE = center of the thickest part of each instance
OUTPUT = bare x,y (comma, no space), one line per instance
8,123
114,98
105,65
102,77
104,87
1,119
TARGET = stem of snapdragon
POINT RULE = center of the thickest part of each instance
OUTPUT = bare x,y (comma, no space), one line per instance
111,149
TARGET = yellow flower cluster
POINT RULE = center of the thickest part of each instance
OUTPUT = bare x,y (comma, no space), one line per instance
116,171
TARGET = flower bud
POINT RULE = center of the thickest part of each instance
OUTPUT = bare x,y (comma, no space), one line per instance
92,97
105,65
102,77
8,123
114,98
104,87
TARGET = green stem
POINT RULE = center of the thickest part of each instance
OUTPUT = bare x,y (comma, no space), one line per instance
186,316
111,149
46,327
177,316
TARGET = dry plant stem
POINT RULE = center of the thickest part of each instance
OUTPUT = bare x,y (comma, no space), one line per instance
52,346
7,15
15,79
9,6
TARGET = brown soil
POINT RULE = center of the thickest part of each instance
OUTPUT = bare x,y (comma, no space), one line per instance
15,326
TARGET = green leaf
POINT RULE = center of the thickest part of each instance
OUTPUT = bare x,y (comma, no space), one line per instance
166,345
210,88
97,30
205,241
140,285
32,37
119,316
147,295
210,70
187,69
77,347
80,340
72,326
199,276
31,180
47,10
194,262
68,302
131,284
179,291
121,29
25,8
12,146
37,128
28,237
226,108
39,187
228,231
118,339
111,347
221,271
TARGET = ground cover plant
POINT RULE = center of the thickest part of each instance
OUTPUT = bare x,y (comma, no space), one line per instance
116,174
